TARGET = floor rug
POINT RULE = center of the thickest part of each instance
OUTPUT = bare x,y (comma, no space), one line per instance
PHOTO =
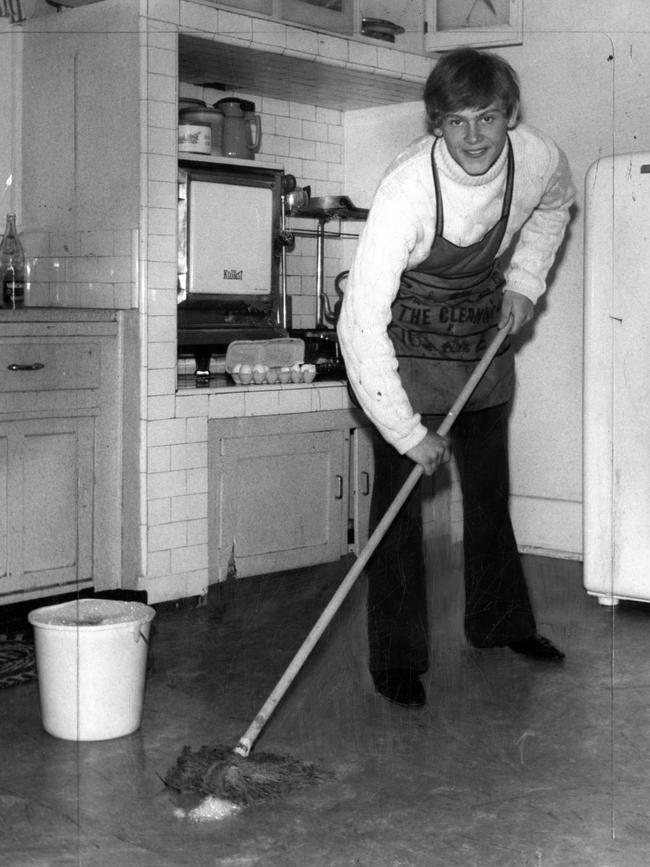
17,663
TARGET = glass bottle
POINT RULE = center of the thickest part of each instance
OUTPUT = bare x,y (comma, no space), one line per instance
12,266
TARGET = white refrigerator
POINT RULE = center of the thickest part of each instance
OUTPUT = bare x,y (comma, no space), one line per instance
616,471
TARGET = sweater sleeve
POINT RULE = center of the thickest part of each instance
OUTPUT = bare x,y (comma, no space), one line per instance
542,233
393,234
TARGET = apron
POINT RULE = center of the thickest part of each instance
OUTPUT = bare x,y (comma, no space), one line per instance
445,315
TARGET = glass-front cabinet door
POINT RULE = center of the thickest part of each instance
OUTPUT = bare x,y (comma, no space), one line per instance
480,23
334,15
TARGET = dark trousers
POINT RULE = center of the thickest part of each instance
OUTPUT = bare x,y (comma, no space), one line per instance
497,605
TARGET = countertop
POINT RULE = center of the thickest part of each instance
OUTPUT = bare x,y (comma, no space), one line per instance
223,382
225,399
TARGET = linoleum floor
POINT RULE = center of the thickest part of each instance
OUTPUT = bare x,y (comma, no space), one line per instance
512,763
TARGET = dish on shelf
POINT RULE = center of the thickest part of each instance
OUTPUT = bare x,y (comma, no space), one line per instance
378,28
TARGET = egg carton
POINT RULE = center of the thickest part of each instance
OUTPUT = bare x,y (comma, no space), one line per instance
267,362
275,352
261,374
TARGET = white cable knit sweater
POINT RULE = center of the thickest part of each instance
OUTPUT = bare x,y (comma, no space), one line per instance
398,235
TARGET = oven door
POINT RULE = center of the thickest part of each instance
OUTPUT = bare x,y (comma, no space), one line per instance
228,257
229,231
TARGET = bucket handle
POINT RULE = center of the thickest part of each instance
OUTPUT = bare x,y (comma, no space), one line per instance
139,634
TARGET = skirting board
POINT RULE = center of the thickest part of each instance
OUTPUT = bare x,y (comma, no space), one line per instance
547,527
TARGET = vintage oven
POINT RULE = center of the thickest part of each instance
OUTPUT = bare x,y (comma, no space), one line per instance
229,220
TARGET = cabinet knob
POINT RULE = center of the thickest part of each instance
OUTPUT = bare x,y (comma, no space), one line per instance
365,490
36,366
339,487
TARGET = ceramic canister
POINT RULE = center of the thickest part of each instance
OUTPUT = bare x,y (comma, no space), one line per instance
202,115
195,138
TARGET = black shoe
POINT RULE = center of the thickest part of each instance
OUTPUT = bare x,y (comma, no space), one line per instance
401,686
538,647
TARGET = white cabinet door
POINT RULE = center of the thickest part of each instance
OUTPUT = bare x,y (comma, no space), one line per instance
46,473
362,481
279,502
479,23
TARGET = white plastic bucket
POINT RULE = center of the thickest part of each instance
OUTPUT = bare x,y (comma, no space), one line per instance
91,661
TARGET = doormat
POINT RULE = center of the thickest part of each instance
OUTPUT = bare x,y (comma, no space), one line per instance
17,662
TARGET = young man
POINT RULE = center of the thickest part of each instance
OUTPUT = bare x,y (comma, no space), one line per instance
424,297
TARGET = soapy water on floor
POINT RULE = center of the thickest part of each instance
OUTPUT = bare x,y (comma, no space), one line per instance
211,809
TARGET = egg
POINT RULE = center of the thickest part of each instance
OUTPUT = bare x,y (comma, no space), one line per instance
259,373
284,375
308,372
235,373
272,375
245,374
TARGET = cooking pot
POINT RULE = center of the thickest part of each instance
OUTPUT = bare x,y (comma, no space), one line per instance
242,128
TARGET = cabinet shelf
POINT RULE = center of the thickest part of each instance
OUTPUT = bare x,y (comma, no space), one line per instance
280,74
217,160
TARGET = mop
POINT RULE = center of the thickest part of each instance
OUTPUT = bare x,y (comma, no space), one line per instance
235,775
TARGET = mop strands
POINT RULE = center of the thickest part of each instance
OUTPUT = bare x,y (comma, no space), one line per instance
219,772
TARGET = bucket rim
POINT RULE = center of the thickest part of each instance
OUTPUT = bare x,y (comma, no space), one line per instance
45,616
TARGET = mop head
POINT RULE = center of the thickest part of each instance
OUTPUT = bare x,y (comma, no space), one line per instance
218,771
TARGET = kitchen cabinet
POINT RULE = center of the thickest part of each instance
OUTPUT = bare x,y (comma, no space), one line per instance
362,477
429,26
333,15
286,491
479,23
60,456
46,472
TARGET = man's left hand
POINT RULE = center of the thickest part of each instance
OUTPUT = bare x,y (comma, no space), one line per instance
517,306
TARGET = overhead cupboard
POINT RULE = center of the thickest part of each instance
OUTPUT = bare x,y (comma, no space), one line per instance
417,26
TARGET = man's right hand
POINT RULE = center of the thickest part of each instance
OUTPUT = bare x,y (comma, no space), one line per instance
430,452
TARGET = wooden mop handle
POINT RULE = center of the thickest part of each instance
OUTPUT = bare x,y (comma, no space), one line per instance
249,737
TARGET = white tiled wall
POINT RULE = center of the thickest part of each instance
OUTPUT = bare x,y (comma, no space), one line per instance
81,269
306,141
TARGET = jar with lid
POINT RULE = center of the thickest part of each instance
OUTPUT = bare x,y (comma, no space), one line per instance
203,116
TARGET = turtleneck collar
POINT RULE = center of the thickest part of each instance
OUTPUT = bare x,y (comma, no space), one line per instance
448,166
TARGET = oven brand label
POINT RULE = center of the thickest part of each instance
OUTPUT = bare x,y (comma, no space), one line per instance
233,274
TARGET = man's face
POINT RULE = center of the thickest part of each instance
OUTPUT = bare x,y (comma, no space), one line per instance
476,137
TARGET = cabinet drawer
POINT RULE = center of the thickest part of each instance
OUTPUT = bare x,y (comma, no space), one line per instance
49,366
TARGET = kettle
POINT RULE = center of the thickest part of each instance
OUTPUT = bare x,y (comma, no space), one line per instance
242,128
331,316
